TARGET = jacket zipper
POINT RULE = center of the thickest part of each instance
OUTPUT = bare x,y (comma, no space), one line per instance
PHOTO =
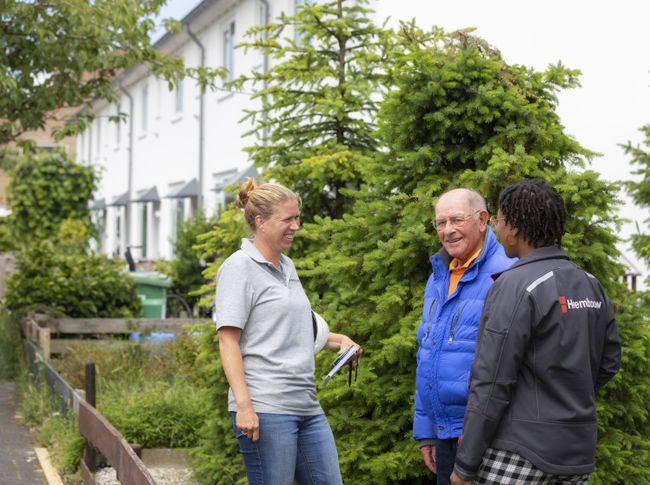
431,308
455,324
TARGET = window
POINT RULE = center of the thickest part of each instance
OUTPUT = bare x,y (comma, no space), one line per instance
118,232
99,134
179,95
155,234
144,222
90,144
180,214
145,107
297,4
82,145
229,50
99,219
261,13
118,126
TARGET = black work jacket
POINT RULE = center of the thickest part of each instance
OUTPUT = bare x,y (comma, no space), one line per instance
546,343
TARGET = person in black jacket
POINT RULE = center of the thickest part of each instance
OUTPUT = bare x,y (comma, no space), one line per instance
547,343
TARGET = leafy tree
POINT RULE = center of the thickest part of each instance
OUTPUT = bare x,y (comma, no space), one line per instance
46,189
60,54
640,191
315,127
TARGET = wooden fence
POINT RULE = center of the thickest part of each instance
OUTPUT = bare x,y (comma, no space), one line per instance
95,428
39,329
103,436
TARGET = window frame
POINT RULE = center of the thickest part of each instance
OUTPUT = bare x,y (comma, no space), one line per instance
228,52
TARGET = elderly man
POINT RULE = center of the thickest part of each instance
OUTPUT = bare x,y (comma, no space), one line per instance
453,300
547,343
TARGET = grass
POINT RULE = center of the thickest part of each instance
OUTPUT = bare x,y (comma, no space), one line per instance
10,347
150,394
57,428
60,435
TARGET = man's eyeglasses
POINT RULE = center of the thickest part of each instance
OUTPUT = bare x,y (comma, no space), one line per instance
455,222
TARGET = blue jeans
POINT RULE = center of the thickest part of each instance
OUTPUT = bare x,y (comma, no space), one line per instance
445,458
290,447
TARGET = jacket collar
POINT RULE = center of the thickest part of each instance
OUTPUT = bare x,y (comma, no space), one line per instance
539,254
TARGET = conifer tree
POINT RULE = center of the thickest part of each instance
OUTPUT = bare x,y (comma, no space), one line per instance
314,131
640,191
458,117
315,127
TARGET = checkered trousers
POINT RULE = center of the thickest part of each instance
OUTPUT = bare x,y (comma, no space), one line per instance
508,468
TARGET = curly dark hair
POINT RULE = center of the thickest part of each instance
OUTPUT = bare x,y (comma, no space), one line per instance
536,209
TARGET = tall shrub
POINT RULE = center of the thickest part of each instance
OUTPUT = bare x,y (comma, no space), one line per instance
59,276
187,265
46,189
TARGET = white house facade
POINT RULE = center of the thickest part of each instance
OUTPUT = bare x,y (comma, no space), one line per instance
177,149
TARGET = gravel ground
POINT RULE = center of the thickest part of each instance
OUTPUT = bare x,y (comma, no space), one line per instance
162,476
167,467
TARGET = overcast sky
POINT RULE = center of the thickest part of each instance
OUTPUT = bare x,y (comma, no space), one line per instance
608,41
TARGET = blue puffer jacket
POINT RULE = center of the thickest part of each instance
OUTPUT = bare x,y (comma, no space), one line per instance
447,338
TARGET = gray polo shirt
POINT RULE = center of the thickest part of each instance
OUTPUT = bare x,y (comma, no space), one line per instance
277,340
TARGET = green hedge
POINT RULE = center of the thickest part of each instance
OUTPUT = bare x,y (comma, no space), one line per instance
70,283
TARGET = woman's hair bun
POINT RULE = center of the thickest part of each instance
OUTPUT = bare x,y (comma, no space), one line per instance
244,192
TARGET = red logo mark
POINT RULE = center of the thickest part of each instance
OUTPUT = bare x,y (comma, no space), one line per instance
563,307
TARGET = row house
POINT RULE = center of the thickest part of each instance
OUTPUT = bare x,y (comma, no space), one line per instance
178,149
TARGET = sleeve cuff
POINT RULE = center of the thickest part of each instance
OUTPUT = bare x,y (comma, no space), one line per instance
463,473
426,442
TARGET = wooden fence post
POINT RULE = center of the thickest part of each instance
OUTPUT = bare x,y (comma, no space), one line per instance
44,342
89,452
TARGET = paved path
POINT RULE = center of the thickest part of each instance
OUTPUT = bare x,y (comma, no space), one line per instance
18,462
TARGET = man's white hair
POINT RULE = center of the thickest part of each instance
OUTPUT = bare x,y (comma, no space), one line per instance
476,200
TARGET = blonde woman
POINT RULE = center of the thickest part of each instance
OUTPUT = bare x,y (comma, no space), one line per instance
266,341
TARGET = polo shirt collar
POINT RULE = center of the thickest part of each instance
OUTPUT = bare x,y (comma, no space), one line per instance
252,252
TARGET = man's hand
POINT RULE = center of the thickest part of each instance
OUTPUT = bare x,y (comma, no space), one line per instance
429,456
456,480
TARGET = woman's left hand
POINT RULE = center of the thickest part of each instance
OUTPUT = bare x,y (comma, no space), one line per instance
340,342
